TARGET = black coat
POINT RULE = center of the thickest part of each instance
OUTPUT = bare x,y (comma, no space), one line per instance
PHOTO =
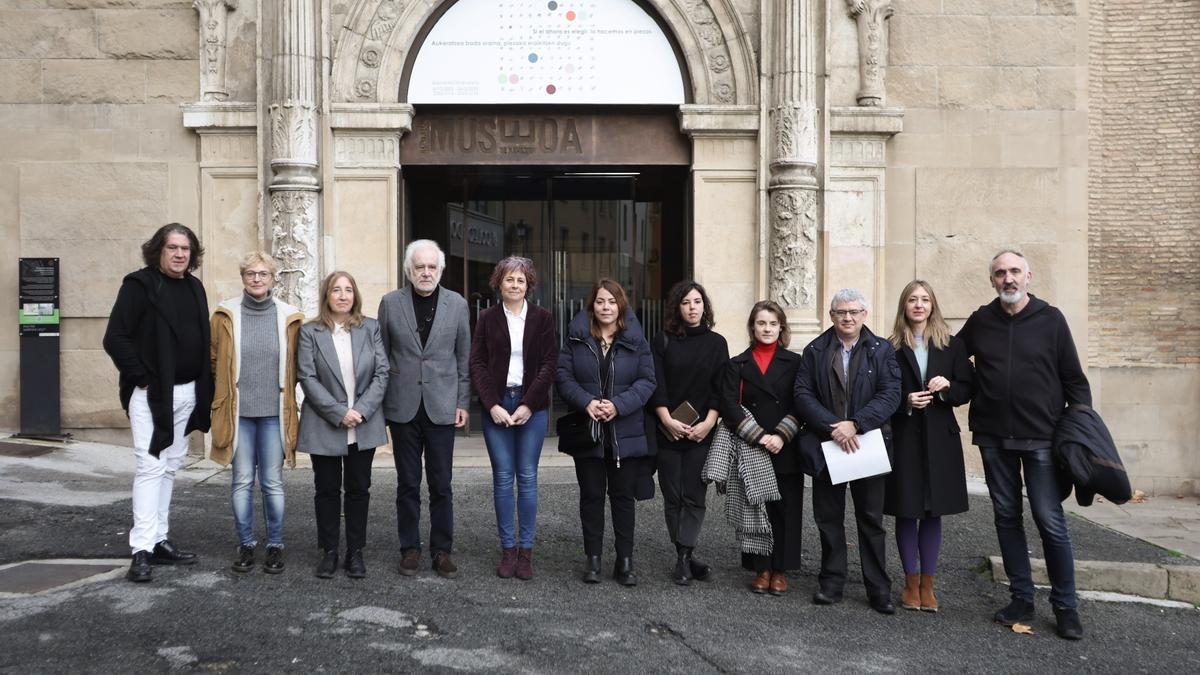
874,394
1026,369
928,476
1087,458
768,398
141,342
579,379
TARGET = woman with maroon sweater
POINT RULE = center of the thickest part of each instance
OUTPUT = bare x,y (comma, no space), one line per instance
513,359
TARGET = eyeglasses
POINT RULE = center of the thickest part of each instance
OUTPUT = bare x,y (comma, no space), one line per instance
840,313
254,274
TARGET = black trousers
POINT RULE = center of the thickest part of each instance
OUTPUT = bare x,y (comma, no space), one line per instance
410,441
684,493
595,476
328,475
787,526
829,510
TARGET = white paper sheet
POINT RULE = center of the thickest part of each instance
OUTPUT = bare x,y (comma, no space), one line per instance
871,458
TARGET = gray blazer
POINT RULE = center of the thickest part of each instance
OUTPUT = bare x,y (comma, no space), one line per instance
320,376
438,373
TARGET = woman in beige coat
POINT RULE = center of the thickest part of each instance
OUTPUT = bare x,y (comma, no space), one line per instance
254,417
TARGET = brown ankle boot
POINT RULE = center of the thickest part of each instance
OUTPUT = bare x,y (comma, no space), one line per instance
910,597
929,602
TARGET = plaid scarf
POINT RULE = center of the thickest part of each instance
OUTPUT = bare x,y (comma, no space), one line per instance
745,473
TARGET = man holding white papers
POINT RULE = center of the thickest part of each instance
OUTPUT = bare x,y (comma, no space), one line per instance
848,384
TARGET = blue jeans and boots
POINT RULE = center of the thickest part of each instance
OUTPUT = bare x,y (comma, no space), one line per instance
1003,469
514,453
259,451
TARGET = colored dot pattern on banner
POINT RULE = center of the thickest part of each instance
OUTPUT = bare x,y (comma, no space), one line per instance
546,49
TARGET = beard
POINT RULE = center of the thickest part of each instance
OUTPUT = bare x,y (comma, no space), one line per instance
1011,298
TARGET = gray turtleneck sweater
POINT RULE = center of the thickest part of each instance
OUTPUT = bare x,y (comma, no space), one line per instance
258,379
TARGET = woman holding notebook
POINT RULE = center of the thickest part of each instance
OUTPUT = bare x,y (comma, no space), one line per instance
689,359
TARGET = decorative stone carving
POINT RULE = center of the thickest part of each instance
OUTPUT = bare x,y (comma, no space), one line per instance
367,150
794,247
294,236
791,34
870,16
213,21
295,180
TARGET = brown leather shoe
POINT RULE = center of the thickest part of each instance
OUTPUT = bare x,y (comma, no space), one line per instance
778,584
508,563
525,564
929,602
444,566
410,562
910,597
761,582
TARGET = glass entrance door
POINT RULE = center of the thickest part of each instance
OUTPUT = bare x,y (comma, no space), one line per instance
577,227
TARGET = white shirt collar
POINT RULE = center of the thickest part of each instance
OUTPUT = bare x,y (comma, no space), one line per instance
520,315
339,328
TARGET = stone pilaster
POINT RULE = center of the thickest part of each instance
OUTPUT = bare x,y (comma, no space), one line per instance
295,183
871,17
213,27
792,36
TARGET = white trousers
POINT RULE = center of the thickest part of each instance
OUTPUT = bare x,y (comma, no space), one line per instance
154,478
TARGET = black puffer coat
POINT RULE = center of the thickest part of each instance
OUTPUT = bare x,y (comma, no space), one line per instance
579,381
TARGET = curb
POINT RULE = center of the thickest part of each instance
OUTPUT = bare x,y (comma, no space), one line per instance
1147,580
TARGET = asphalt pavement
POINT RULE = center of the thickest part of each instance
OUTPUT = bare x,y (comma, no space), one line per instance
206,617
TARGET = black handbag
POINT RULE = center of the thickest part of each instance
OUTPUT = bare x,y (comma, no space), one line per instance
578,435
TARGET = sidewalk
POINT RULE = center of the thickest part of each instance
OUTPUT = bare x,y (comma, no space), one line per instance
1171,523
64,518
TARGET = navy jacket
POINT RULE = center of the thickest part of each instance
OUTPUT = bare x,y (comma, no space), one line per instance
874,393
1087,458
579,380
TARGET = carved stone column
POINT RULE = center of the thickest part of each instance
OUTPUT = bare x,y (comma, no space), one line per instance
871,17
213,15
294,137
793,35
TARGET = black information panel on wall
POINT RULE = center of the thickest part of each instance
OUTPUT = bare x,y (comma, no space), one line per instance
38,322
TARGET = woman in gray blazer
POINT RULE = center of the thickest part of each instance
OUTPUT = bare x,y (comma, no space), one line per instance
343,371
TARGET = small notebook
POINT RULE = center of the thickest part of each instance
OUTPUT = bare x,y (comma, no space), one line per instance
686,413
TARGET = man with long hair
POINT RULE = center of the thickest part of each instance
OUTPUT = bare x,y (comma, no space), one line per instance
158,337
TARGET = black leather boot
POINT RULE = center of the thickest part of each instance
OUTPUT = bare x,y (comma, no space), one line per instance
623,572
328,565
592,574
683,567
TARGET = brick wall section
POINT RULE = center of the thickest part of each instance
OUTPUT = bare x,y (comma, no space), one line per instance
1144,184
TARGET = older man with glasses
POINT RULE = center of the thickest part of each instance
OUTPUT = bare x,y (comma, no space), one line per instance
848,384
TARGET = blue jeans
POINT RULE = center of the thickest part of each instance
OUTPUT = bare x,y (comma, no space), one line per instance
1003,469
260,446
515,449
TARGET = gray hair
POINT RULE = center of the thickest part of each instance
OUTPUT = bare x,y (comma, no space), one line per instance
418,244
847,295
1012,251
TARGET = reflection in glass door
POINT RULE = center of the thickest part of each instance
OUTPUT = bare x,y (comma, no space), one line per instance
576,227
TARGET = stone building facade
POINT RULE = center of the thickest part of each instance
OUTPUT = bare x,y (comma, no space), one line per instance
819,144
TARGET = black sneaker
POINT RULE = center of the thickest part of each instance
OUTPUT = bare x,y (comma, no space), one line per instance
139,567
1068,625
245,559
1018,611
274,562
355,567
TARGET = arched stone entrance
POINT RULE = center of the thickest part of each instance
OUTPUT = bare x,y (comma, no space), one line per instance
374,44
365,198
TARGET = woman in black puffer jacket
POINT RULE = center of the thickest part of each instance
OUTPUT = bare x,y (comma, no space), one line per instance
605,369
